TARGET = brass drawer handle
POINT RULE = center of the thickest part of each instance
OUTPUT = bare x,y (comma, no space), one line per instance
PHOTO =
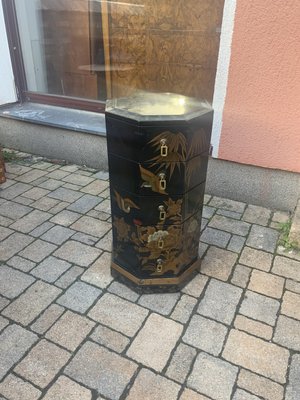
159,265
162,181
162,213
163,148
160,244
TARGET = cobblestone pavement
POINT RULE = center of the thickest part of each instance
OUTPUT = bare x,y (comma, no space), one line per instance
68,330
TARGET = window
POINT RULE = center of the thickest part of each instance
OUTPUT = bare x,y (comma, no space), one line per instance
78,53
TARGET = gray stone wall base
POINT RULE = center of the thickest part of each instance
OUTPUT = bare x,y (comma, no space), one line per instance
260,186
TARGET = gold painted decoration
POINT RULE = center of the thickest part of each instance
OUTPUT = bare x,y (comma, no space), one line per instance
125,204
151,181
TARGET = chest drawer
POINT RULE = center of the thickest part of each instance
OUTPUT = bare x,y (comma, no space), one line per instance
149,179
156,251
178,142
151,210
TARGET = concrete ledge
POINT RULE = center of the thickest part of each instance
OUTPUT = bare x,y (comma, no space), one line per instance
294,236
264,187
56,143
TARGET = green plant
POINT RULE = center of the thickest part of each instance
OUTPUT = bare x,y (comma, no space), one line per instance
284,240
9,155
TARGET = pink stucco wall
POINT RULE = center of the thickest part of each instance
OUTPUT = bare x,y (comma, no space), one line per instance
261,117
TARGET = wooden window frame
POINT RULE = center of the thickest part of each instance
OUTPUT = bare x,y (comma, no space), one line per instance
23,93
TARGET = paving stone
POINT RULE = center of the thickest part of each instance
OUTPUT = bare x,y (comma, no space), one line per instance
227,204
215,237
70,330
79,297
91,226
15,388
96,187
241,275
287,333
5,221
47,319
109,338
260,307
35,193
253,327
13,282
31,303
218,263
123,291
58,174
77,179
104,206
77,253
30,221
293,253
14,191
202,249
42,363
230,225
10,352
99,215
163,303
229,214
69,277
51,269
181,363
15,168
130,316
285,267
265,283
23,200
263,238
64,194
102,370
196,286
213,377
98,274
184,309
260,386
292,286
31,176
208,212
85,203
259,356
205,334
65,218
51,184
45,203
3,302
4,232
3,323
242,395
38,250
14,211
257,215
204,223
220,301
256,259
149,386
236,243
103,175
40,230
293,389
86,239
281,216
106,242
189,394
13,244
58,235
155,341
291,305
66,389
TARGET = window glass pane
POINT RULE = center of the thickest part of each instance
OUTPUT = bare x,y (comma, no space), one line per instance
101,48
62,47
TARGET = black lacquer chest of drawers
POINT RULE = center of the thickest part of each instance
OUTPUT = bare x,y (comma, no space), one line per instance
158,147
